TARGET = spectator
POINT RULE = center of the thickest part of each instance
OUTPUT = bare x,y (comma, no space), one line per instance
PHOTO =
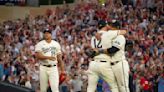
73,28
27,83
161,83
1,69
76,83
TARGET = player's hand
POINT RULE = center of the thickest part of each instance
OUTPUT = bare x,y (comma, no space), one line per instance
91,52
96,51
62,72
52,58
122,32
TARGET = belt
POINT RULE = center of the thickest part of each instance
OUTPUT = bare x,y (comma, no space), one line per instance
49,65
103,61
100,61
113,63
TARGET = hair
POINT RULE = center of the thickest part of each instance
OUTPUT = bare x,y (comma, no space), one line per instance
100,27
101,24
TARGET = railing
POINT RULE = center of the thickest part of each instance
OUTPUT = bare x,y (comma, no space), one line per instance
32,2
8,87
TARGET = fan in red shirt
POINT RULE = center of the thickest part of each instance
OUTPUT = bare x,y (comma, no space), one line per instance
144,84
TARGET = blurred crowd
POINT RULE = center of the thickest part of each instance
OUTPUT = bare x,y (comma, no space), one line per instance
73,28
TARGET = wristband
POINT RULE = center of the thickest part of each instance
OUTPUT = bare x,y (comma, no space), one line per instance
101,51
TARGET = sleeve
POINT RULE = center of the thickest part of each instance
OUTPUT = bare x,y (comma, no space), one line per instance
119,42
38,47
58,48
112,34
112,50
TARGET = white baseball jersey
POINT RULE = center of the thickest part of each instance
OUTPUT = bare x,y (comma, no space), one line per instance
104,43
119,42
102,69
48,49
121,69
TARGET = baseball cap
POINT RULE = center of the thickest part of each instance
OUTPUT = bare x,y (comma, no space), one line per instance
102,24
47,30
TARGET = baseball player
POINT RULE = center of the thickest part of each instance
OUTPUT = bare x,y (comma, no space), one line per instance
119,63
100,66
48,52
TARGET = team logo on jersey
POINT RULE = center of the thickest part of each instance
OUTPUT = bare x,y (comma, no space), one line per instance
50,49
117,42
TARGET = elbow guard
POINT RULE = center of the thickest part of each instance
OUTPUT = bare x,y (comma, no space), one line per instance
112,50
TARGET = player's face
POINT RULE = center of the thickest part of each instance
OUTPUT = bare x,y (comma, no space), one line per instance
47,35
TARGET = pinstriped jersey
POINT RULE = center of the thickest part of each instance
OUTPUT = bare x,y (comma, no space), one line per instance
119,42
104,43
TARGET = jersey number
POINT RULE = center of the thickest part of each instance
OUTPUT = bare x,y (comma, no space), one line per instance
97,44
52,53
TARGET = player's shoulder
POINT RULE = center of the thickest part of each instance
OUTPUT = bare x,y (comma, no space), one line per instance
102,31
41,42
121,36
54,42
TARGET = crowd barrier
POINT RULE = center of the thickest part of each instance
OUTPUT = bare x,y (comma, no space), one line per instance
8,87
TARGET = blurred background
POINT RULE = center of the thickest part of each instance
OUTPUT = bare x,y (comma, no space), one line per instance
73,23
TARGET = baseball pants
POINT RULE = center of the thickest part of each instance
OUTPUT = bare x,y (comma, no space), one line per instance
100,69
121,72
51,75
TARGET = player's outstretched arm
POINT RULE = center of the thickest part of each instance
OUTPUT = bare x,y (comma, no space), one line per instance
110,51
120,32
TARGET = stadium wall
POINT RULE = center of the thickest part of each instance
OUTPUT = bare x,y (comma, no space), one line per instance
15,12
